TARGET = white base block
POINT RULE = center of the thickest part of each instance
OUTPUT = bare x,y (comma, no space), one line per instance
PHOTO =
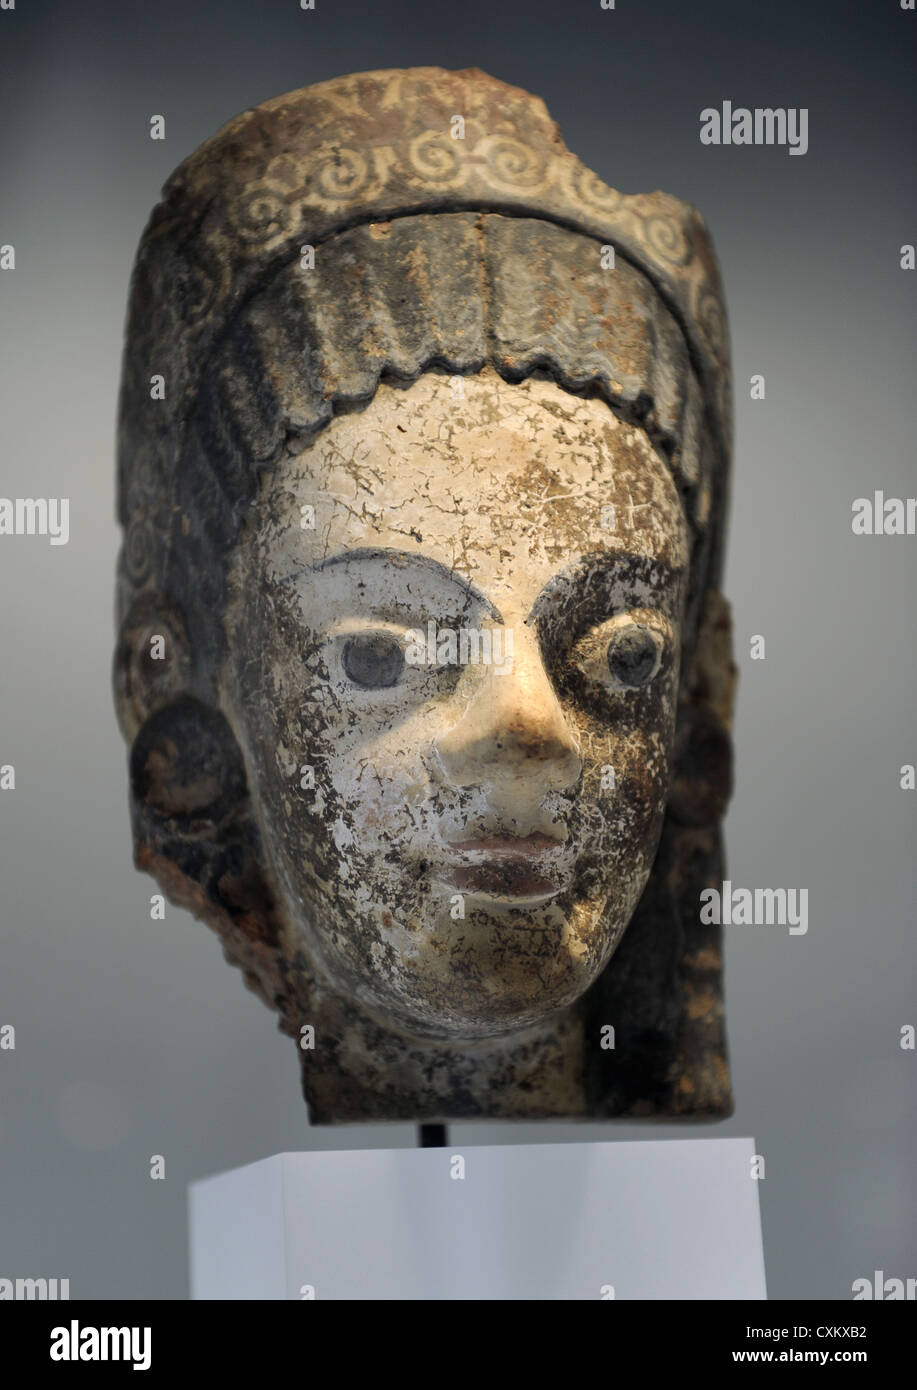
662,1219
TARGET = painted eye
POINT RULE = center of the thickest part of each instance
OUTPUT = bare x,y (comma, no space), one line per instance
372,660
633,655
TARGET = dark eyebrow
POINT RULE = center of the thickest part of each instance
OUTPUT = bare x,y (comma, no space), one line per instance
575,586
565,587
404,559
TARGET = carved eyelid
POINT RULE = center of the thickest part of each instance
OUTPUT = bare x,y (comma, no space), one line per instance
591,651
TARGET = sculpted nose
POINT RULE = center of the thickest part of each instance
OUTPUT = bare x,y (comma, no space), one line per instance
513,736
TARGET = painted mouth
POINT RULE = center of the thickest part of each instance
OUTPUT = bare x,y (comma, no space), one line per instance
509,868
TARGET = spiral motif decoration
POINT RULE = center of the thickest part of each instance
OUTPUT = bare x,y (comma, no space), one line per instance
138,549
262,217
342,175
436,158
511,164
668,240
711,320
588,188
195,290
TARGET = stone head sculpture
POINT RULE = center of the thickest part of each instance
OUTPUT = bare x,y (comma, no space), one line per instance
424,437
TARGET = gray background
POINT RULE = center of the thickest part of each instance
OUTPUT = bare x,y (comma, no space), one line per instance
133,1037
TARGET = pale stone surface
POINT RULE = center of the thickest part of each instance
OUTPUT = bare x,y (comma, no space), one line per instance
503,489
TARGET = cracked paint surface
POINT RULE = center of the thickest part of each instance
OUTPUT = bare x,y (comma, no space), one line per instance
472,505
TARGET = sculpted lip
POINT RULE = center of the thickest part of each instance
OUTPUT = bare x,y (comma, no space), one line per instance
505,866
508,846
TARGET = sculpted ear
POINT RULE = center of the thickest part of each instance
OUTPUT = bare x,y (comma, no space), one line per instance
187,776
152,666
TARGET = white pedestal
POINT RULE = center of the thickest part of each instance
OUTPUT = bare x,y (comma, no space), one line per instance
664,1219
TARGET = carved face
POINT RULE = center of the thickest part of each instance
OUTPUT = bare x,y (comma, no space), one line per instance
453,658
